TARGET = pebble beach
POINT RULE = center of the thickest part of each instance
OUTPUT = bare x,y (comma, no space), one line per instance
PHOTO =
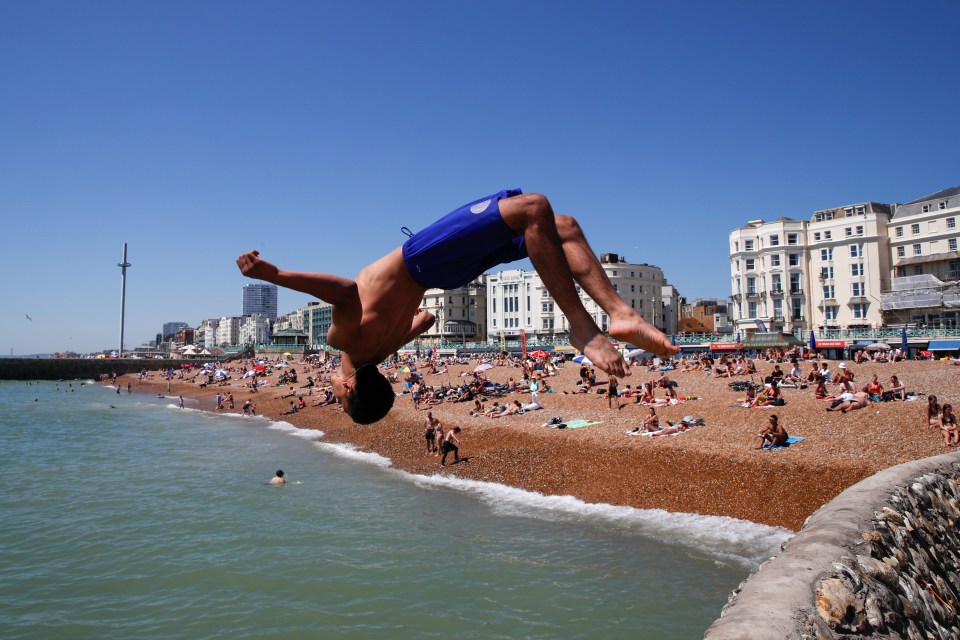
713,469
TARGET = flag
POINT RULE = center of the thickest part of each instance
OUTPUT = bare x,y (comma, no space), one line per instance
813,340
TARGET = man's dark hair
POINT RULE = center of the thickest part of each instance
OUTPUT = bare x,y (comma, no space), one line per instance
372,396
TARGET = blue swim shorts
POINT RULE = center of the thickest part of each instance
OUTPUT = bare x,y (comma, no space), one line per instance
461,245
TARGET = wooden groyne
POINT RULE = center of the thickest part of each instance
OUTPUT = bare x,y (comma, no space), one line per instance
77,368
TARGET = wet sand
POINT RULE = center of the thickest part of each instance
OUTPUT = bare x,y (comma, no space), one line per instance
713,469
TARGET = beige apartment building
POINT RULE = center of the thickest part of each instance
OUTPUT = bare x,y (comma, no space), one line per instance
857,266
925,262
517,300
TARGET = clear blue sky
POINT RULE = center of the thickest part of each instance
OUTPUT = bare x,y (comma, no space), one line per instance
313,131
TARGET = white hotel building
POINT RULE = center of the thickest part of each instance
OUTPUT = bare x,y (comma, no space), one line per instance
517,300
858,266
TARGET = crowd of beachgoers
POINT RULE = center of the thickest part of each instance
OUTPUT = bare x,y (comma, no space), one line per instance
767,437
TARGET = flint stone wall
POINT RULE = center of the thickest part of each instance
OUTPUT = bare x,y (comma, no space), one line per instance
881,560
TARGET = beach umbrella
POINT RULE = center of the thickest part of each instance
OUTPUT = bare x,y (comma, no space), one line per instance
582,359
634,353
539,353
878,346
813,340
483,366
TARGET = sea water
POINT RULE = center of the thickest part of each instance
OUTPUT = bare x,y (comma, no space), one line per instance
124,516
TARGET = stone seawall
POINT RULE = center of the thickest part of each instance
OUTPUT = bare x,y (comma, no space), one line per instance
76,368
881,560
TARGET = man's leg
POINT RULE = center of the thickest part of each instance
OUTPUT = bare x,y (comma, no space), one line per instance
625,324
560,253
531,216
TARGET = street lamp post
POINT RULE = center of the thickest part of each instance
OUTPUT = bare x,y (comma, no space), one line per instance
123,294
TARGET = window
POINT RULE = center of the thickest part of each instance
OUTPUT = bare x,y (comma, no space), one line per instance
901,272
942,205
816,236
796,311
857,289
736,245
848,231
861,210
918,270
547,307
826,255
901,252
778,308
826,273
751,264
828,235
856,250
856,269
795,286
633,288
752,310
793,238
859,311
830,313
951,223
925,208
859,229
748,245
899,232
917,250
751,286
915,229
848,211
794,259
774,240
828,292
775,260
775,283
952,244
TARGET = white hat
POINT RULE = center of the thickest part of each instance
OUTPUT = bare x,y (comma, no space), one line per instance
843,365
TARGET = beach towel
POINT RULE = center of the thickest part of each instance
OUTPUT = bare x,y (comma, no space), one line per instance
576,423
790,440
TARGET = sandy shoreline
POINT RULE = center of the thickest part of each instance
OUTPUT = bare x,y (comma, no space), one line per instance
712,469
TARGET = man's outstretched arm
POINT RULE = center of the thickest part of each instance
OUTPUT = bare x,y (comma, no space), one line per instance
328,287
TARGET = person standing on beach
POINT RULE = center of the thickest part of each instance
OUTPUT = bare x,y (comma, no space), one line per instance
451,444
431,432
613,395
374,315
181,402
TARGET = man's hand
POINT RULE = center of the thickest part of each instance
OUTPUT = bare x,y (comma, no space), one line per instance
252,266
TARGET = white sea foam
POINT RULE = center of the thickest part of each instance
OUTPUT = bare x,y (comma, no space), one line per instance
726,539
350,452
289,429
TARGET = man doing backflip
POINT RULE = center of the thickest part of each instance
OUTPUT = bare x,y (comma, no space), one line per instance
379,312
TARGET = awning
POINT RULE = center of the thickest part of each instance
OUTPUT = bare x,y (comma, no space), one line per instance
944,345
934,257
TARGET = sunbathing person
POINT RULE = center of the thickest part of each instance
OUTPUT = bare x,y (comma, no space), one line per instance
651,422
774,434
948,426
510,410
674,428
379,311
933,412
896,391
851,401
874,388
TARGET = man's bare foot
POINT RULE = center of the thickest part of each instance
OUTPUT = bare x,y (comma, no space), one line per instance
602,353
636,331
